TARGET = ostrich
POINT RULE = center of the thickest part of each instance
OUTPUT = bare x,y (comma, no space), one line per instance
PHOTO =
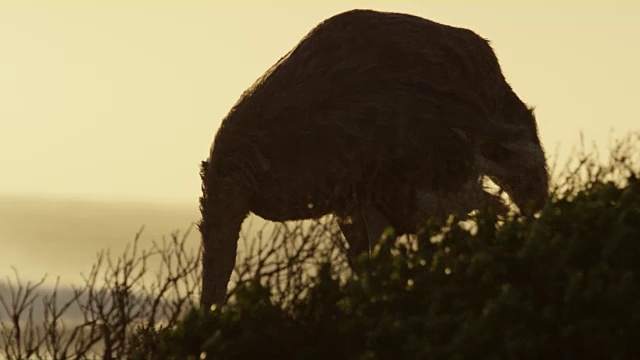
381,119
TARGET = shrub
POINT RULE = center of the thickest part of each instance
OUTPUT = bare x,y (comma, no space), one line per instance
565,285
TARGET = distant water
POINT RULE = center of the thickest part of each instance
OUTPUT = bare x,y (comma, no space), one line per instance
62,237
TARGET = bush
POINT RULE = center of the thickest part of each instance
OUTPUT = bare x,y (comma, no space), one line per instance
565,285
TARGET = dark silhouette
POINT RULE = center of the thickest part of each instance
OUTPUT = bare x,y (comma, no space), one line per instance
379,118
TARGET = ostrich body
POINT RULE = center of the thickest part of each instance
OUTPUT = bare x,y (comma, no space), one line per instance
382,119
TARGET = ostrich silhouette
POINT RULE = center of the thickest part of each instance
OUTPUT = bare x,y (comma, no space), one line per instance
382,119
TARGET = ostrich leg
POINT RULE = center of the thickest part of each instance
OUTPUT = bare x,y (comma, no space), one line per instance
354,230
376,224
363,231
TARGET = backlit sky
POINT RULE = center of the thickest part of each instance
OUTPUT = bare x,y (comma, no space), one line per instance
120,100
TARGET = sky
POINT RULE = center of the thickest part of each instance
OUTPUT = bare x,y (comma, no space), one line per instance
61,238
120,101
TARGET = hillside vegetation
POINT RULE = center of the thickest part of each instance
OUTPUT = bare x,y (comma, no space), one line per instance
565,285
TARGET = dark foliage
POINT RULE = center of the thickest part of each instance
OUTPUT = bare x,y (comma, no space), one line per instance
563,286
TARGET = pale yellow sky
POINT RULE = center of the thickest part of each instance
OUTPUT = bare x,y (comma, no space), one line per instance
120,100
